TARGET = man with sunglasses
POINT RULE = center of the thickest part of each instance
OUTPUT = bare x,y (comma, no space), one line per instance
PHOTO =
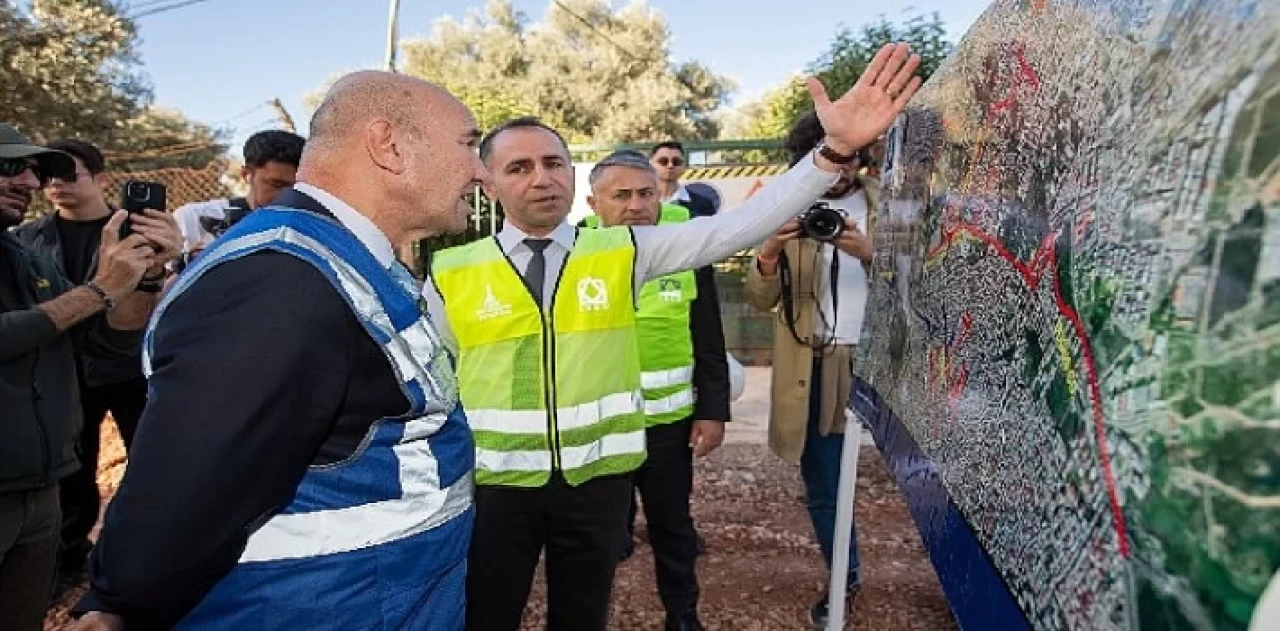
71,236
44,321
669,161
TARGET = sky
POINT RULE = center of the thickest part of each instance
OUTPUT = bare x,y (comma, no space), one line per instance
220,61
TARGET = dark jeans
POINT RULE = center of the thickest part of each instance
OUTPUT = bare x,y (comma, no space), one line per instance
665,482
581,528
28,549
79,491
820,469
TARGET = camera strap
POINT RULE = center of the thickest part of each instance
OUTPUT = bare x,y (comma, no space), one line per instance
788,300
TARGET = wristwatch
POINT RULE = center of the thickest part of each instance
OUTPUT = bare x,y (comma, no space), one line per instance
827,152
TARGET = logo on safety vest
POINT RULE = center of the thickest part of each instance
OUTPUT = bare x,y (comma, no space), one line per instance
592,294
491,307
669,290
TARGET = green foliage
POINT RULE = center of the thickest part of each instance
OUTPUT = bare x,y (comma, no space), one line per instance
70,70
595,74
841,65
849,54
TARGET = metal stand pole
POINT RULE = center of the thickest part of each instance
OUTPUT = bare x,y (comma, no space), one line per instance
844,520
392,38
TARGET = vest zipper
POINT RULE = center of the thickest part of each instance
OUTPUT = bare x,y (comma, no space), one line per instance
548,321
549,353
549,370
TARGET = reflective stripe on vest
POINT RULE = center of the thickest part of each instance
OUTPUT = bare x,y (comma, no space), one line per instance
546,393
666,342
413,473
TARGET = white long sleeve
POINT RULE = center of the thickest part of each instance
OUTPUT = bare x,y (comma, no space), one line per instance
663,249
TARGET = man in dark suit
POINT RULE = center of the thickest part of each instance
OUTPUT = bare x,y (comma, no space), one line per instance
668,159
303,461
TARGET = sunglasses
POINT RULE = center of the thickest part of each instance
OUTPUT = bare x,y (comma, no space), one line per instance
672,162
13,167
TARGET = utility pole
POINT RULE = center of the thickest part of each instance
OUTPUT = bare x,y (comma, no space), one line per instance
392,22
285,119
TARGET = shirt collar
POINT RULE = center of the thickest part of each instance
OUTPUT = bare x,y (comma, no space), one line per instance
681,195
510,236
366,231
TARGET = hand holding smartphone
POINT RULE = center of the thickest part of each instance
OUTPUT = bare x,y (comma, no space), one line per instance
137,195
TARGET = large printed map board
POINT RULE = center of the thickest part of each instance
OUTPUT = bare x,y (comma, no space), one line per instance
1072,350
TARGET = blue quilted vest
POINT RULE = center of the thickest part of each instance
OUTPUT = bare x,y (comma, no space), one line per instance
379,540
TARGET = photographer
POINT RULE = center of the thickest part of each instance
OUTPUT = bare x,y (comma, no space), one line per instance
270,166
813,271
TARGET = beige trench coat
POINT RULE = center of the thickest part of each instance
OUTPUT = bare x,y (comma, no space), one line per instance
793,362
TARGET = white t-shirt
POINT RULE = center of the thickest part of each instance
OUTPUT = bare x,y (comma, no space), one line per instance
194,220
851,281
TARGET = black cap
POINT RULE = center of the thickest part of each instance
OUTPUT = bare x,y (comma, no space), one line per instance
53,163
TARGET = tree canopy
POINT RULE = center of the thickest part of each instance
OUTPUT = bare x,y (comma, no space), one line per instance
593,73
70,70
839,67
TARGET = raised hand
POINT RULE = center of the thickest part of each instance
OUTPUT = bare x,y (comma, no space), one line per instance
856,119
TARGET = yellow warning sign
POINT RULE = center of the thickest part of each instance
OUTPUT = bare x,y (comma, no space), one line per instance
724,173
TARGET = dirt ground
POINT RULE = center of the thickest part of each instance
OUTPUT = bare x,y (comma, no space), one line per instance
762,568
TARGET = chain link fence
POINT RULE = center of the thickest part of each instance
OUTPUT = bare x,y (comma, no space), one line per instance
183,186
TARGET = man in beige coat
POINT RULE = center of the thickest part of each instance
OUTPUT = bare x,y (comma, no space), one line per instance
815,332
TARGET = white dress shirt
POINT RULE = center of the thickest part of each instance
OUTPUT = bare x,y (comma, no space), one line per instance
667,248
851,279
681,194
366,231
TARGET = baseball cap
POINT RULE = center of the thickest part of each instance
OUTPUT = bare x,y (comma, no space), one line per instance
52,162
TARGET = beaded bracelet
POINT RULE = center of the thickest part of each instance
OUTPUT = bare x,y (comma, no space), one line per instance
102,293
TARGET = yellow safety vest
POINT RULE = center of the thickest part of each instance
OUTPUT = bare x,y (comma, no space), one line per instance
547,391
666,342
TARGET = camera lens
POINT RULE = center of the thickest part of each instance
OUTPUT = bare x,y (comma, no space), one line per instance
822,224
139,191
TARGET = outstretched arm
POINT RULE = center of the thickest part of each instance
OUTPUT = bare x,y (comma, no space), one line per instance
851,122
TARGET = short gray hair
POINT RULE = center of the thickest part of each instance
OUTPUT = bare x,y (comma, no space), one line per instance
626,158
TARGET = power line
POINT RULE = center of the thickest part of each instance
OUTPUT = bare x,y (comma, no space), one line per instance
153,9
623,50
145,4
241,114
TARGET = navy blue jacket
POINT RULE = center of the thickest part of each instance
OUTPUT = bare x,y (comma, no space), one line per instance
284,378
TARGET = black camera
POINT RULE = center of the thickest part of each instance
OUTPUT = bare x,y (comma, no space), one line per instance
822,222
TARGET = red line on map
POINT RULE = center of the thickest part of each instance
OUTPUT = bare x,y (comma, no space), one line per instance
1044,259
961,375
1028,75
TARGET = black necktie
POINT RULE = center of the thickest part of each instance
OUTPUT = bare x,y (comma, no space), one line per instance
535,275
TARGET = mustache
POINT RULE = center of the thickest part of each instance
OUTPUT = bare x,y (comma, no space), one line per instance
22,193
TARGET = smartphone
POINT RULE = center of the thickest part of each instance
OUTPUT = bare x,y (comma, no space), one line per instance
137,195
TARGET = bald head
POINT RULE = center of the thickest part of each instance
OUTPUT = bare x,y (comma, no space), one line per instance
360,98
398,149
